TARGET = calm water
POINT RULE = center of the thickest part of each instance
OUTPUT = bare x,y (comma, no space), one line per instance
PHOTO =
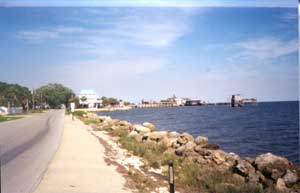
248,131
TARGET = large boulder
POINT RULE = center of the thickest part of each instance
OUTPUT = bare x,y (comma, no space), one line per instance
135,135
156,136
150,126
103,119
280,185
232,159
218,157
245,169
184,138
290,178
179,151
272,166
173,134
205,153
124,123
169,142
211,146
201,141
185,149
141,129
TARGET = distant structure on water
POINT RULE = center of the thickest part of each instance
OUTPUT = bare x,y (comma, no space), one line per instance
194,103
171,102
238,101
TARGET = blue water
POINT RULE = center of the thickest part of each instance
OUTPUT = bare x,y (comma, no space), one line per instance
249,131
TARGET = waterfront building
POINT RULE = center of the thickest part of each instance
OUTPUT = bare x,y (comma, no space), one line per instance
194,103
89,99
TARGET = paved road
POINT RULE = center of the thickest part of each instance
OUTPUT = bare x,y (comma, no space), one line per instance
26,148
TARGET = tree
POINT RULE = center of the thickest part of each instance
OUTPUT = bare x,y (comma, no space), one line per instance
109,101
83,99
75,99
127,103
16,95
55,95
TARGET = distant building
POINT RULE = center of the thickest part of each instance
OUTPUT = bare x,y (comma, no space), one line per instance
89,99
194,103
175,101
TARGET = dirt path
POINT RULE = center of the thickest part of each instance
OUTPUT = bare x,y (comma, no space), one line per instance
79,166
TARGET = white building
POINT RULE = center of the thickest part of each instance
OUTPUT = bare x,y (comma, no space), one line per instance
180,101
89,99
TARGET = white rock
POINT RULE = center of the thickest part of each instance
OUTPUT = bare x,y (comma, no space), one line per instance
141,129
149,125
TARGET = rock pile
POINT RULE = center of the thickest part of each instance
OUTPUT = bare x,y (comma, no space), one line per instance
266,170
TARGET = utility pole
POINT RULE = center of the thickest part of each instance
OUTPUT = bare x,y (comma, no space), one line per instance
33,102
41,101
27,104
8,107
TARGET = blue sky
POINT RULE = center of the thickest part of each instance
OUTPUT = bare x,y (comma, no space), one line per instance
168,3
153,52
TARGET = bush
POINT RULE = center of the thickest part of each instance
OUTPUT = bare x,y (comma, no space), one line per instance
79,113
90,121
117,132
152,153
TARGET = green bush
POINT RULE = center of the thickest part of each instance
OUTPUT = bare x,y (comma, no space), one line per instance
90,121
79,113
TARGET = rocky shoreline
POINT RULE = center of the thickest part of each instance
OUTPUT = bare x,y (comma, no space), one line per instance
202,167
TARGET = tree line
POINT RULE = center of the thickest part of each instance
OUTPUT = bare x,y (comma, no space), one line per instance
47,96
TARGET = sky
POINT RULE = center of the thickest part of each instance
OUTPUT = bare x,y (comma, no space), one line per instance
167,3
208,51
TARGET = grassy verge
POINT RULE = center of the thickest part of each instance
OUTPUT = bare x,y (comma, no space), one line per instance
8,118
189,176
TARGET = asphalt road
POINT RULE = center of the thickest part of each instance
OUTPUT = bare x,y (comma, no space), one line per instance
26,148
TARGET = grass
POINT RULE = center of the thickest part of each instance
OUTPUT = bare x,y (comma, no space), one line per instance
8,118
142,183
194,178
151,152
90,121
34,111
79,113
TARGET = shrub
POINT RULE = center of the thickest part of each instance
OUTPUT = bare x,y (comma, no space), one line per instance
79,113
90,121
151,152
122,133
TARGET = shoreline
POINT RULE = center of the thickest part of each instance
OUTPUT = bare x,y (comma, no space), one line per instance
247,131
105,109
264,173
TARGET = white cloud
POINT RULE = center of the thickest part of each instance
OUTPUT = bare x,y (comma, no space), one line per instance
145,27
37,35
41,35
264,48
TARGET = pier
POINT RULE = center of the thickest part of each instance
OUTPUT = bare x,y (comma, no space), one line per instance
238,101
